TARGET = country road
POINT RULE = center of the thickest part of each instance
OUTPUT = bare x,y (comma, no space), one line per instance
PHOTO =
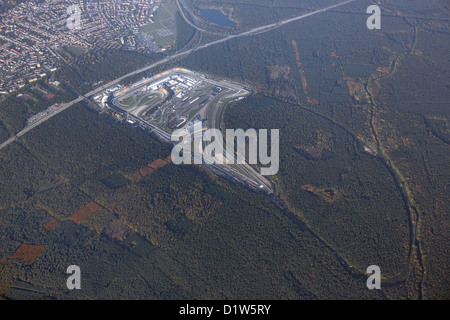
251,32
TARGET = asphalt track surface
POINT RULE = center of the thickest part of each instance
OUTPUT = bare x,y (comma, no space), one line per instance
251,32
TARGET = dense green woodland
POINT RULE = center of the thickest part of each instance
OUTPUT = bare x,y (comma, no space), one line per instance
364,124
367,221
192,230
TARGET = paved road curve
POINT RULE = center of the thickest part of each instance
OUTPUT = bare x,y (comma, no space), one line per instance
251,32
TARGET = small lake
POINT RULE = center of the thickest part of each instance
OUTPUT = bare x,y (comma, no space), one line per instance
217,17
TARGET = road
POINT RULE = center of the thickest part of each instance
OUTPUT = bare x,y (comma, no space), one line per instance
40,121
251,32
180,8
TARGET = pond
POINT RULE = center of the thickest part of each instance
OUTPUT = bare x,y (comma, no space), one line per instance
217,17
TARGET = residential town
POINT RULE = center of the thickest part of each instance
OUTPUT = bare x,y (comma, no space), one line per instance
35,35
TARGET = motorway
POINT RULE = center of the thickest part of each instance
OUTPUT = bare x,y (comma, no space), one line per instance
40,121
251,32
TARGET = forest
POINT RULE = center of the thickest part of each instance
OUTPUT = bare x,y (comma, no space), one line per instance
354,79
363,119
185,231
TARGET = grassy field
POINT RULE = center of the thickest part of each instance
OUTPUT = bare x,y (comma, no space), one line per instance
148,99
163,28
127,102
75,51
139,100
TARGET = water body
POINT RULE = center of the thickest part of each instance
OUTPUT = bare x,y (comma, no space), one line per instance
217,17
